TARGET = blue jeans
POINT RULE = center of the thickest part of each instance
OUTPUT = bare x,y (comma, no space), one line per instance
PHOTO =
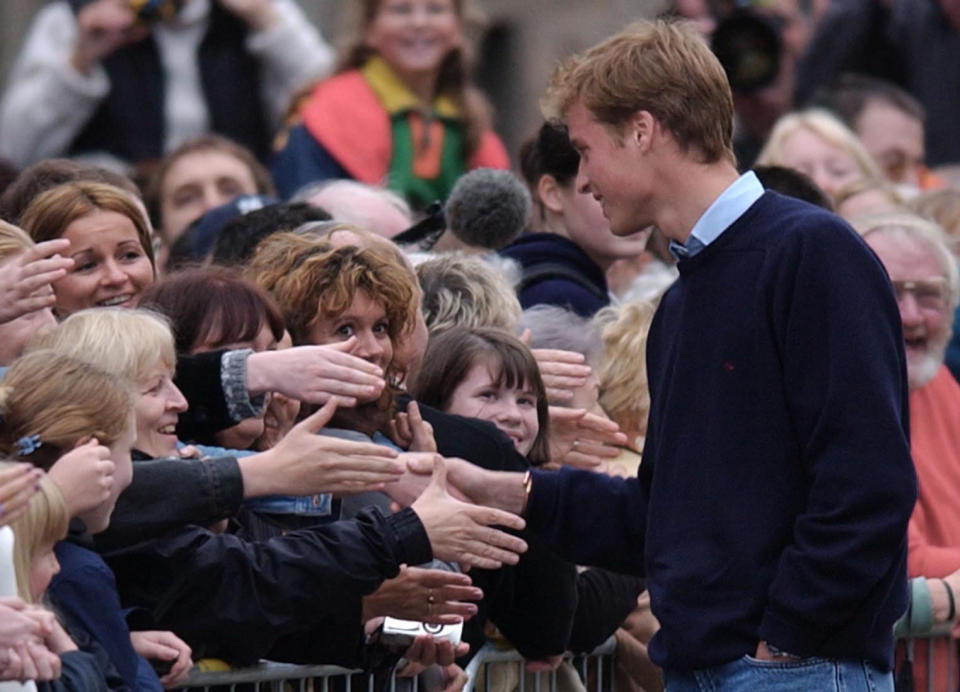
804,675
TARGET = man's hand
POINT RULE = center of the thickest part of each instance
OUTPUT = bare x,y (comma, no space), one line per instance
462,532
314,374
764,654
25,278
165,646
84,476
305,463
425,595
427,651
102,27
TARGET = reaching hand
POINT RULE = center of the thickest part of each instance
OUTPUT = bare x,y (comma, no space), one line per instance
583,440
305,463
410,431
21,622
563,372
165,646
25,278
314,374
427,651
18,483
461,532
425,595
84,476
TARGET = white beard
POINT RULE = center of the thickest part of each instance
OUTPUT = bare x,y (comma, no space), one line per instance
924,367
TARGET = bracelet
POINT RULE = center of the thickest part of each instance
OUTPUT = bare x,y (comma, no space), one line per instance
527,487
953,604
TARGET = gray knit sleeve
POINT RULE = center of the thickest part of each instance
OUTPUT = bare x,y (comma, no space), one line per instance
233,377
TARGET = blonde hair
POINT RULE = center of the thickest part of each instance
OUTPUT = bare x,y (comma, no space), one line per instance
827,127
13,240
60,400
909,225
462,290
49,214
942,206
622,371
44,523
124,342
663,67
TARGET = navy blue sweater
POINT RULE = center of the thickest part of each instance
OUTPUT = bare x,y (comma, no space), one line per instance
776,483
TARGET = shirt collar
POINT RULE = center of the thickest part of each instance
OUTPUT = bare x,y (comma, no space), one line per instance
727,208
394,94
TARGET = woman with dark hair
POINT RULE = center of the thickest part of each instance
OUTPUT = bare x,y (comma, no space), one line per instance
401,109
565,261
214,309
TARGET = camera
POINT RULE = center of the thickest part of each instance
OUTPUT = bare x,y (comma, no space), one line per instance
749,46
399,634
153,11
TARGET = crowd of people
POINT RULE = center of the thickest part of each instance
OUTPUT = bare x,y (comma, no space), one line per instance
288,349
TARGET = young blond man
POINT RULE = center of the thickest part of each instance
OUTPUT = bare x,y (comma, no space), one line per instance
769,514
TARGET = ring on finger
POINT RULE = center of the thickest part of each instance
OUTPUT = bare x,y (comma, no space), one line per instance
576,443
430,599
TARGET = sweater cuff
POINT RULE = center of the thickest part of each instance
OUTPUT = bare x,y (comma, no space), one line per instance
410,537
542,503
233,378
226,482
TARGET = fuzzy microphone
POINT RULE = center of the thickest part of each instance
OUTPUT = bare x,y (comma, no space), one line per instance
488,208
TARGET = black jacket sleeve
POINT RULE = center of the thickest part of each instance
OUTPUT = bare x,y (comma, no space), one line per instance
167,494
231,599
604,600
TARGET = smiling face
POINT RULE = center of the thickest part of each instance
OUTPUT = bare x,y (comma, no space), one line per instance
513,410
158,405
414,36
110,265
922,297
365,319
829,166
609,171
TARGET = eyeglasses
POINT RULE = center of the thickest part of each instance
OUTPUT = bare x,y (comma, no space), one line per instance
929,294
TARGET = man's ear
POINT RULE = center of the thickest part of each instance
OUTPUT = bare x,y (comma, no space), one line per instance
640,129
548,191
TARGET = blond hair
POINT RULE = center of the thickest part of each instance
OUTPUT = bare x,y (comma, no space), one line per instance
909,225
463,290
49,214
124,342
942,206
59,400
663,67
44,523
622,371
13,241
827,127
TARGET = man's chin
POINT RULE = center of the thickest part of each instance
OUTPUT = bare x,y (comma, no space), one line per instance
923,367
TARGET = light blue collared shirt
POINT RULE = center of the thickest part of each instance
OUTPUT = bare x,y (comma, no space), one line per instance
727,208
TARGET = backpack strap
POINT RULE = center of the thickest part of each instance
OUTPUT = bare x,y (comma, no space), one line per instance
541,271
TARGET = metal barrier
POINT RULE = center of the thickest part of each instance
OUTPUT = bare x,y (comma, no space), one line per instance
287,677
933,674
